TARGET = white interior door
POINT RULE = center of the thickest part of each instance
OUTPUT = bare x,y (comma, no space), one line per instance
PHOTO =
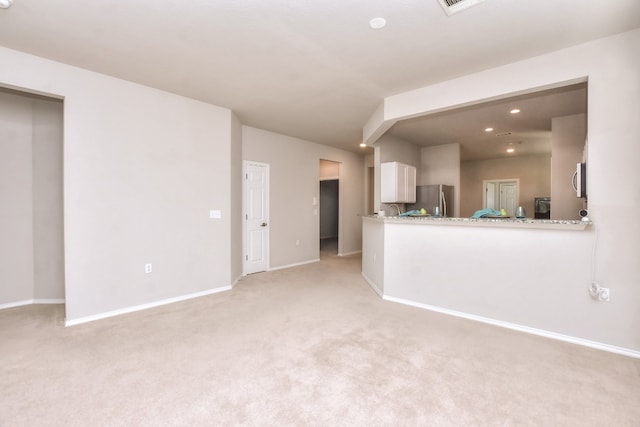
509,197
501,194
256,214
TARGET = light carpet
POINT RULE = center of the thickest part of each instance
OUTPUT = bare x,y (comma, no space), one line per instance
307,346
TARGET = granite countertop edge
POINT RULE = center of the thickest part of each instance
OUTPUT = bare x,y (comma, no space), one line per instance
494,222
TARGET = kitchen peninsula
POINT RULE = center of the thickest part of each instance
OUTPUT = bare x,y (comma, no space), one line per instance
509,272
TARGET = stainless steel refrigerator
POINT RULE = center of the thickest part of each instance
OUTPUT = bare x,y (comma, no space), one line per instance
430,196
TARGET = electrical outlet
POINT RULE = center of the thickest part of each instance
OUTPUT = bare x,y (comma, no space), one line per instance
594,289
599,293
148,268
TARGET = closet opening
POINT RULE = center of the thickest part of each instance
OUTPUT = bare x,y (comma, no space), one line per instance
31,196
329,207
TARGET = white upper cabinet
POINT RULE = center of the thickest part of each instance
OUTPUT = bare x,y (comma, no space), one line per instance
398,183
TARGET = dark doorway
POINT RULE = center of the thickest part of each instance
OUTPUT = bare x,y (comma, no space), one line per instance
329,196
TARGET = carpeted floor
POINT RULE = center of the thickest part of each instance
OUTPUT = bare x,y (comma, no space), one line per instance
310,345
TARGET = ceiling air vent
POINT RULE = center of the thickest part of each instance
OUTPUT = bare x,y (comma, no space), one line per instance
455,6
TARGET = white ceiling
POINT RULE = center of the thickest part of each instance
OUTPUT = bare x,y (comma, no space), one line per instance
309,69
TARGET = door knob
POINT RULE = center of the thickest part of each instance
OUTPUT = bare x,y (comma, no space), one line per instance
264,224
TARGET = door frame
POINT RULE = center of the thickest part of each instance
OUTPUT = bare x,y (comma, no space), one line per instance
246,163
340,200
499,182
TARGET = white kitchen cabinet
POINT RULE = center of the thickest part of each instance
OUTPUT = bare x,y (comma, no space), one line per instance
398,182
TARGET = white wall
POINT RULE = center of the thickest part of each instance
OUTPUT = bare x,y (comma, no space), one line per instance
484,278
369,182
393,149
441,165
294,182
142,169
329,170
612,66
235,209
16,204
48,232
373,254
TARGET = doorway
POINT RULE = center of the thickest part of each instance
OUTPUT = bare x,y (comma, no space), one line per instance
329,207
255,208
329,196
501,194
31,196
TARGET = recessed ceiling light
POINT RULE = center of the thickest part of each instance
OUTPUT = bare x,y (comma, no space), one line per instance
515,111
488,130
5,4
510,150
362,144
377,23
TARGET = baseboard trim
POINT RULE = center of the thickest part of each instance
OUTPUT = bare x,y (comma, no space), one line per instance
80,320
48,301
373,286
32,301
235,282
282,267
350,253
526,329
16,304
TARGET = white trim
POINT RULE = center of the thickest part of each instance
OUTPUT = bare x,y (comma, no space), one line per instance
235,282
282,267
341,207
140,307
16,304
373,286
350,253
49,301
341,196
32,301
520,328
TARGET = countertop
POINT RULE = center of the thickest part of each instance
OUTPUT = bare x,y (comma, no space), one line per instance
547,224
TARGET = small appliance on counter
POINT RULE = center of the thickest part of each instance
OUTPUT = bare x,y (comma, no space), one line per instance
542,208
